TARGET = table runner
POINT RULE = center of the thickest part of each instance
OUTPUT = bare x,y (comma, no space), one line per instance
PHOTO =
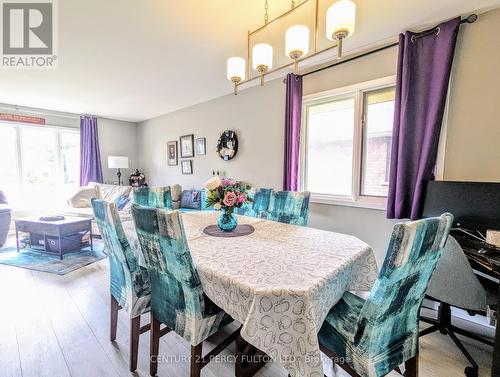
279,282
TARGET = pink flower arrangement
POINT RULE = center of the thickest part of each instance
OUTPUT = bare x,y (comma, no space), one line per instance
225,193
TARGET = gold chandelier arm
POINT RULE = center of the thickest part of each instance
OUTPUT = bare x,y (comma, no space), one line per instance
266,15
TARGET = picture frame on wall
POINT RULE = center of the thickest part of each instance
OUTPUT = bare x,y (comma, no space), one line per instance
201,146
187,167
187,146
172,153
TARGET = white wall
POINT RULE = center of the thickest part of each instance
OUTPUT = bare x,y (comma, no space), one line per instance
257,115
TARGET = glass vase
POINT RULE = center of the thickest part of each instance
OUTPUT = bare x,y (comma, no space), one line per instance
227,221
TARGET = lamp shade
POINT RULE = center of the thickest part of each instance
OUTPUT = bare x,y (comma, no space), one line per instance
340,17
297,40
236,68
262,54
117,162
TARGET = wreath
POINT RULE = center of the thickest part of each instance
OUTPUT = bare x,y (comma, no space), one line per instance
227,145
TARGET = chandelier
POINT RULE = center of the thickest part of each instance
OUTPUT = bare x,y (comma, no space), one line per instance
339,25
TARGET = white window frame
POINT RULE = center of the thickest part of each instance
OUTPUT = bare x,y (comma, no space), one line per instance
19,158
358,91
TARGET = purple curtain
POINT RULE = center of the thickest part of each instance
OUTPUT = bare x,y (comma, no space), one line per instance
293,112
90,157
424,66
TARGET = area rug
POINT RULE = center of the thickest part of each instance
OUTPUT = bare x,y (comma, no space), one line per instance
38,261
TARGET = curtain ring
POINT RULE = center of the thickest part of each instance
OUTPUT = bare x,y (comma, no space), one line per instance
438,31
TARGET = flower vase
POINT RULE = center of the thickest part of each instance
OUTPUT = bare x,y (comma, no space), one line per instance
227,221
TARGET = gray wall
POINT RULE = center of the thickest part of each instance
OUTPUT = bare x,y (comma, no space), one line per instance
117,138
257,115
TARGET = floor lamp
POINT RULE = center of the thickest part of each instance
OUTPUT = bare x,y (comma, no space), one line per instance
118,162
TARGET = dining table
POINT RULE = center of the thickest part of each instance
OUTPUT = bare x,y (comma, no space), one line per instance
279,282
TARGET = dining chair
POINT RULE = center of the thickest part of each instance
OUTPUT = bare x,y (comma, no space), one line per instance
157,197
373,337
289,207
129,282
259,204
177,297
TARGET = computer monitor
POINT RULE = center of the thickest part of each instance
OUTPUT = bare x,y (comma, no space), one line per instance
474,205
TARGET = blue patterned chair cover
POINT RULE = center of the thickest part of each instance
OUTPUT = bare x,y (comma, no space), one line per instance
377,335
129,281
284,206
177,298
259,206
289,207
156,197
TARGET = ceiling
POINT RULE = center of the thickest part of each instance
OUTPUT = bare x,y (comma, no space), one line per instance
134,60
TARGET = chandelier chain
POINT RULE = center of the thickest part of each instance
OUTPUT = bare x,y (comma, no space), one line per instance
266,16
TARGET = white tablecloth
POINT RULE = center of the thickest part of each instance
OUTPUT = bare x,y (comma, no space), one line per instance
279,282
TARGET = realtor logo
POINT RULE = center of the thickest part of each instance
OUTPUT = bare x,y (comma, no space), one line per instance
28,34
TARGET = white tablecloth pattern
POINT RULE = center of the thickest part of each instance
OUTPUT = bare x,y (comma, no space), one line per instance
280,282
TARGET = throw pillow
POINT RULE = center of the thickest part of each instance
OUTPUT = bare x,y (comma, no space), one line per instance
191,199
121,202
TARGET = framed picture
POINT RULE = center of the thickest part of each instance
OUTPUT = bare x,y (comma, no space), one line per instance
172,153
201,146
187,146
187,167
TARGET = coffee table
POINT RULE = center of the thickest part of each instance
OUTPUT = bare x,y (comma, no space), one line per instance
61,229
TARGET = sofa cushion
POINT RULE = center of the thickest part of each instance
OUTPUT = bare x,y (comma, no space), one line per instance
82,198
121,202
176,192
111,192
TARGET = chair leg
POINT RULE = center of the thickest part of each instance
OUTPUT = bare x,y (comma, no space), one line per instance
196,360
154,345
135,331
411,367
113,318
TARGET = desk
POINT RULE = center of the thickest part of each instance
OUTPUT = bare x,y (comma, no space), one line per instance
487,266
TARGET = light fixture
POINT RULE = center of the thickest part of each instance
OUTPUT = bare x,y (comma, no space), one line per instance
297,44
340,21
236,71
262,59
118,162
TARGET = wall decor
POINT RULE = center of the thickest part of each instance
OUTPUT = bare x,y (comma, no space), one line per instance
172,153
187,166
201,146
187,146
227,145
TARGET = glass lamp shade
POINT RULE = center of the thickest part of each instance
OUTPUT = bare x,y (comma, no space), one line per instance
340,18
236,68
262,55
297,40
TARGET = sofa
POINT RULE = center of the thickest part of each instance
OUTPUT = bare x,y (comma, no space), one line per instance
5,218
79,204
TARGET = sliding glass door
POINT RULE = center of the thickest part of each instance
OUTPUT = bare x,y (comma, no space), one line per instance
40,164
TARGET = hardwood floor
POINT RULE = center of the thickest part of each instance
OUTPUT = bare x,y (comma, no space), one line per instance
58,326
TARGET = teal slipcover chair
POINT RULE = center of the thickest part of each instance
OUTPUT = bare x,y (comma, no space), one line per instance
377,335
129,282
284,206
157,197
177,297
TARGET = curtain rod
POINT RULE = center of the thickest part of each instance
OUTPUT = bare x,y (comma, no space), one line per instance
469,20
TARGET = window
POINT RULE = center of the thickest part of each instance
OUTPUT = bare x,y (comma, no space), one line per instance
346,144
41,164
